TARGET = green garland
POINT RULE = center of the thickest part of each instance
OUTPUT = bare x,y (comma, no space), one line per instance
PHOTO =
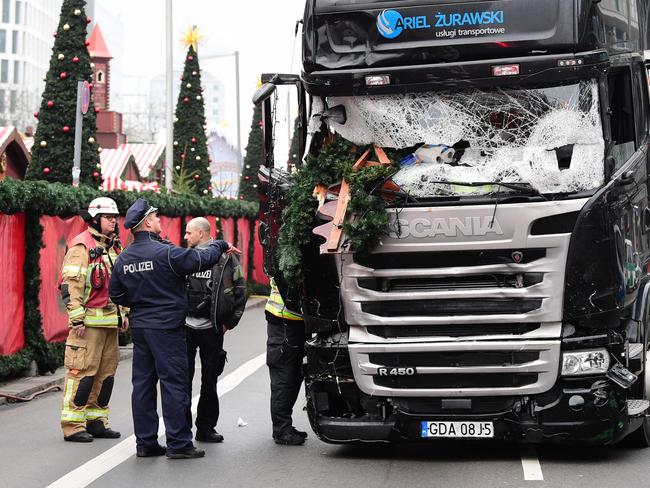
59,199
37,198
332,164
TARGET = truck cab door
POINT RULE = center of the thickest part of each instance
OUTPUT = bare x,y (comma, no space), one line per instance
284,128
629,205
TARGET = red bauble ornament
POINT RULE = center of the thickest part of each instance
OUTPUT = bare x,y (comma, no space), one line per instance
186,100
36,114
87,43
91,86
95,174
196,177
241,197
88,20
46,170
182,155
247,178
54,34
63,75
96,110
50,103
75,60
190,58
66,129
193,140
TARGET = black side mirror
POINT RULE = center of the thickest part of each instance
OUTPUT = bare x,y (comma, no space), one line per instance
263,92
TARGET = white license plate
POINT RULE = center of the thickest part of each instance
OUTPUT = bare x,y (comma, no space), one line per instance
457,429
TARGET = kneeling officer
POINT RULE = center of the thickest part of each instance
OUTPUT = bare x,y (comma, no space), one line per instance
149,277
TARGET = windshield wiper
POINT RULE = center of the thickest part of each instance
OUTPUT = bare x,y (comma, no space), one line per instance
523,188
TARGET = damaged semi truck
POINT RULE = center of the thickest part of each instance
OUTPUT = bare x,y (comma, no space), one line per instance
509,296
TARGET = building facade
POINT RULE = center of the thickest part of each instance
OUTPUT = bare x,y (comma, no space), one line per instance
213,95
26,41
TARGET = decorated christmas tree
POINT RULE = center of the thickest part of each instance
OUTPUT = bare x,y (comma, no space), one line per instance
191,157
254,157
53,151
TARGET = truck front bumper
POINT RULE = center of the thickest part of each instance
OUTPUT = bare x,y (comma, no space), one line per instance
577,411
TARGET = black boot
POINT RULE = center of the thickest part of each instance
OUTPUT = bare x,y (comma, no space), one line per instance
192,453
156,450
81,436
209,436
299,432
289,438
98,431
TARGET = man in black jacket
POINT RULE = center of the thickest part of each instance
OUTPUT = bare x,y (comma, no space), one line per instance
205,336
150,278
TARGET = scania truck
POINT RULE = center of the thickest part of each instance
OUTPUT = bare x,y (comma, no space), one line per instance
509,296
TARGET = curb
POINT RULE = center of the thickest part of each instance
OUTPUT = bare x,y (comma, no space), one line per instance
27,386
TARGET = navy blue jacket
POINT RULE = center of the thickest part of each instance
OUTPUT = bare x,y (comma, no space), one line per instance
149,277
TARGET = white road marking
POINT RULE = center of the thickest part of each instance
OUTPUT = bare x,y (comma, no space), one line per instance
102,464
530,463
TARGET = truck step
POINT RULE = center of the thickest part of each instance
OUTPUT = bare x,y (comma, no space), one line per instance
637,407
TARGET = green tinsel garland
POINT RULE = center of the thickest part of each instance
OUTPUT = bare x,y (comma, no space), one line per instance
59,199
37,198
332,164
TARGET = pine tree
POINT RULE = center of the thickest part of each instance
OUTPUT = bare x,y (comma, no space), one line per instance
190,141
53,151
254,157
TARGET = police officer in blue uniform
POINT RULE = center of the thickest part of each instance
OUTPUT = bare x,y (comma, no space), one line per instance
149,277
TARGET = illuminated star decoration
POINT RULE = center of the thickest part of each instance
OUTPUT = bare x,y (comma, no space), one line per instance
192,37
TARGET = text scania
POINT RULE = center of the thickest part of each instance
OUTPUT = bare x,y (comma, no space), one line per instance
469,18
447,227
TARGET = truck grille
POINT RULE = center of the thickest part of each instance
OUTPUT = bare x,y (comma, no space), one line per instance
447,259
477,311
453,359
496,280
457,330
435,381
441,308
456,369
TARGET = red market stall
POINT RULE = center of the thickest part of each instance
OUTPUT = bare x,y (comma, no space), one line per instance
12,261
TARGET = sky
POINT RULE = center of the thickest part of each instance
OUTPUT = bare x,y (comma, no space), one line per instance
262,32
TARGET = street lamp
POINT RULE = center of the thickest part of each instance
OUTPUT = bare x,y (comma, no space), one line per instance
169,93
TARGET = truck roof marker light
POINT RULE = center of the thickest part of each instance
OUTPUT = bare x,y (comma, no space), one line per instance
377,80
505,70
570,62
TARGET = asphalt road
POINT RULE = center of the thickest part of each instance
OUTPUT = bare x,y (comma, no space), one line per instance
33,453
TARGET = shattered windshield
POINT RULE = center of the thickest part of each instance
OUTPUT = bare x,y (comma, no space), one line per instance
549,138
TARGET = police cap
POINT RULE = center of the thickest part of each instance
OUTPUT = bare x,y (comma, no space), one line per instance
137,213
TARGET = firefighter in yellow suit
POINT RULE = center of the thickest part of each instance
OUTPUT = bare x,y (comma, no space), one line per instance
91,352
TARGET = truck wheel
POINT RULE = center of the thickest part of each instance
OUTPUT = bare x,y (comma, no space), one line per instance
641,436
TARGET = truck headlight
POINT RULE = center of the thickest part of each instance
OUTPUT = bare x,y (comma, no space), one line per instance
578,363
